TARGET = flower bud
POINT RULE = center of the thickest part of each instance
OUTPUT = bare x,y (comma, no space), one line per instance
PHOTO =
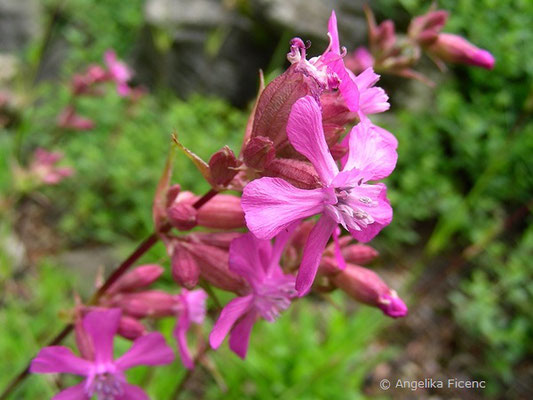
359,254
455,49
223,166
298,173
138,278
385,37
367,287
258,152
275,103
182,216
426,28
130,328
213,264
185,270
172,193
151,303
359,60
221,240
224,211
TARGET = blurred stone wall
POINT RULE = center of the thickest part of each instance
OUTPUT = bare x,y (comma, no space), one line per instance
217,47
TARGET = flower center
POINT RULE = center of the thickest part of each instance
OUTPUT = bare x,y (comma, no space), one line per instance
351,210
274,296
106,386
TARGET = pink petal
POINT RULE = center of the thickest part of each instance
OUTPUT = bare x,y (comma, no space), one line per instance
180,333
231,313
132,392
150,349
305,132
102,327
240,334
333,33
246,260
381,213
316,243
271,205
370,153
59,359
73,393
279,245
387,136
195,303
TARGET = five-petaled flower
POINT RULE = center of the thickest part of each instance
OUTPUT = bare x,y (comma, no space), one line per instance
104,376
270,289
345,198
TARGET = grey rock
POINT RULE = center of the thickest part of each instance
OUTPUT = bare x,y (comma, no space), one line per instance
20,21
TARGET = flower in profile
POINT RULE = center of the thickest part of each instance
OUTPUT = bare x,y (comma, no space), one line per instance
270,290
105,377
191,309
328,69
43,167
119,71
346,198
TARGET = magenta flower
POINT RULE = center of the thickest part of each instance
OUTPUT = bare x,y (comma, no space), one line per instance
104,376
345,198
119,71
328,70
270,290
191,309
456,49
372,99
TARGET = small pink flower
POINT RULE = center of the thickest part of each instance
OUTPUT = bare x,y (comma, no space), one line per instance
192,308
119,71
328,70
345,198
104,376
43,167
270,290
69,119
359,60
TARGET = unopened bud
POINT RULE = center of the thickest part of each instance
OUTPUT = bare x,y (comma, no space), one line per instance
185,269
275,103
258,152
385,37
213,263
455,49
223,166
299,173
367,287
130,328
221,240
172,193
151,303
182,216
224,211
425,28
138,278
359,254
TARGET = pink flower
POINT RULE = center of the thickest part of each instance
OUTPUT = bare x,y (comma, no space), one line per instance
270,290
43,167
191,309
70,119
372,99
119,71
345,198
104,376
359,60
328,70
